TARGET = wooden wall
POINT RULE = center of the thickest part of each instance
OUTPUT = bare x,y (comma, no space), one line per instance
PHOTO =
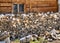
42,5
29,5
5,6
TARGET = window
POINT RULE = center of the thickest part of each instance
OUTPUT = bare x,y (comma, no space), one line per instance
18,8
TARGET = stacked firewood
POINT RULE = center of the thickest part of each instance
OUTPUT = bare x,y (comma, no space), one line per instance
30,23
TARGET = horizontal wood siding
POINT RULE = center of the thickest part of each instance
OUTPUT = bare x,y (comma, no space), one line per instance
30,5
5,9
5,4
5,1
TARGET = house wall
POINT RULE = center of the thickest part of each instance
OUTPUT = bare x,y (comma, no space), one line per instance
29,5
42,5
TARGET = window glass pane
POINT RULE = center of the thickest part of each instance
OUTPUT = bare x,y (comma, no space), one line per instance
21,7
15,8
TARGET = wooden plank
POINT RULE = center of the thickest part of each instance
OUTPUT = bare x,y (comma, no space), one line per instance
43,0
5,9
5,4
52,3
43,3
41,9
5,1
18,1
47,9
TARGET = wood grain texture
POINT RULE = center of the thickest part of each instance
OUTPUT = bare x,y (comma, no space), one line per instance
30,5
42,5
5,1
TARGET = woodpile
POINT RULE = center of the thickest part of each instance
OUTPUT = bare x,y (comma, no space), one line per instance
3,35
31,23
